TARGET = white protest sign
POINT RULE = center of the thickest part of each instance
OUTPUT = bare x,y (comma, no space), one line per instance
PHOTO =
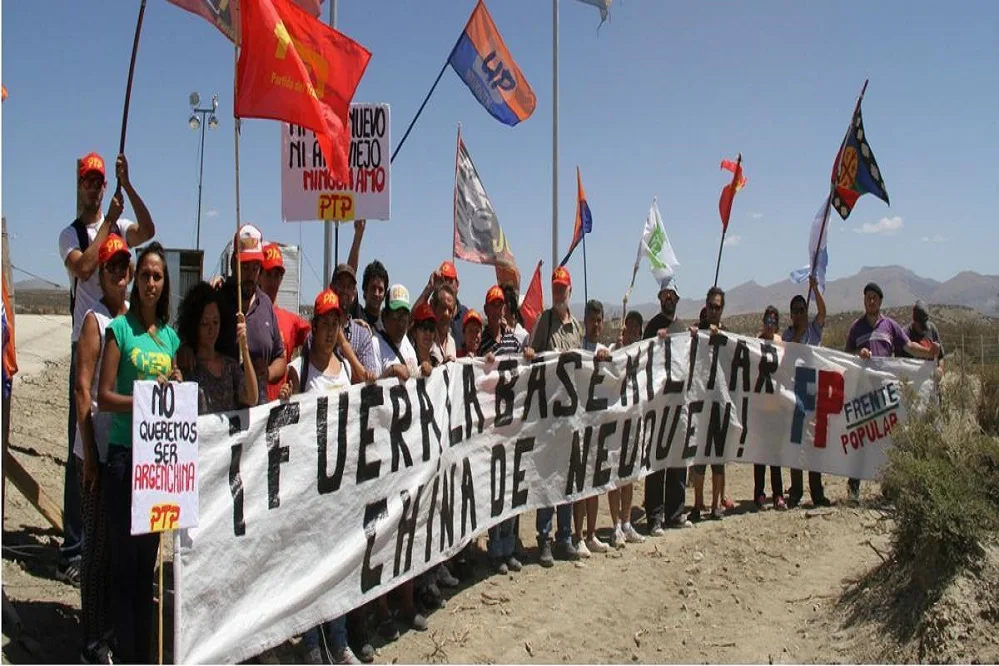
309,192
164,456
321,504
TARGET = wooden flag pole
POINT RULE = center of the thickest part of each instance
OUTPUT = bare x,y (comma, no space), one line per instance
159,633
235,129
721,244
128,86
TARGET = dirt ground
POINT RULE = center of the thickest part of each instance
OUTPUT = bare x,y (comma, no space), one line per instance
769,587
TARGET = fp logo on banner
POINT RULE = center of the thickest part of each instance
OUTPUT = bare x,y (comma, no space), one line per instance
819,391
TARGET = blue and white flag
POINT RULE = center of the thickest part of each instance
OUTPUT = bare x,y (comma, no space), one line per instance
800,275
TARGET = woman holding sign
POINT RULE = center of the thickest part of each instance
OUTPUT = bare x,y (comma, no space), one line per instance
222,385
771,323
139,345
114,272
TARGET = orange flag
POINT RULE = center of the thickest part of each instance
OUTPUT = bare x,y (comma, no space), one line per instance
728,192
294,68
534,302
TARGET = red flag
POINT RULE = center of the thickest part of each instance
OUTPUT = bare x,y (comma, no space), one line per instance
534,301
728,192
294,68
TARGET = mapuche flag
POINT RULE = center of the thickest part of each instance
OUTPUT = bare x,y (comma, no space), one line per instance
294,68
584,219
855,171
478,237
483,62
728,192
224,14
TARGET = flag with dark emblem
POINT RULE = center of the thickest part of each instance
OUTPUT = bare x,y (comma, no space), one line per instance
855,171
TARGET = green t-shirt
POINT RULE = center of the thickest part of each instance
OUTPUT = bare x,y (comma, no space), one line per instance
142,357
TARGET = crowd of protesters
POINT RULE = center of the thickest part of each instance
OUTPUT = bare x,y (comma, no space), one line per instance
243,350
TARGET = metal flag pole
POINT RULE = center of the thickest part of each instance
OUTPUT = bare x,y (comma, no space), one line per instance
328,225
721,244
555,133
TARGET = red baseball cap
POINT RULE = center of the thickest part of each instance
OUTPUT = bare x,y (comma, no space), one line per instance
495,293
272,257
561,276
424,312
112,246
251,243
91,163
448,270
469,317
326,302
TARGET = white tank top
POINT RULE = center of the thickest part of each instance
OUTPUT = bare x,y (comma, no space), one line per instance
102,422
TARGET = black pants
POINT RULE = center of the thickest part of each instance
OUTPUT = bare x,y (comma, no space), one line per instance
133,559
665,494
760,480
95,573
814,485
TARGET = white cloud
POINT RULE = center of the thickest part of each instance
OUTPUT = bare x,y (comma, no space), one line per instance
935,239
733,240
211,212
886,225
756,216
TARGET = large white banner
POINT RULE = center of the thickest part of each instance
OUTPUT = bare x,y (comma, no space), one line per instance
313,507
164,456
309,192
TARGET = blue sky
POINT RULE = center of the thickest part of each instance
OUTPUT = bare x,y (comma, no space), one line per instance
649,106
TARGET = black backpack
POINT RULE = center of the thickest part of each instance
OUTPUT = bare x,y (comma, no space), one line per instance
83,240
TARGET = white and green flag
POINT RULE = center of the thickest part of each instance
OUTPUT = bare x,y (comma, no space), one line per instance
655,246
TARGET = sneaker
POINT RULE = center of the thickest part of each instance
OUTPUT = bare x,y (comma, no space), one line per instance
727,504
632,536
431,597
445,578
793,501
617,539
565,550
823,501
545,558
388,630
417,622
69,572
595,545
694,516
346,656
656,528
513,564
717,514
853,495
500,567
760,502
366,653
96,653
779,504
681,523
314,656
583,551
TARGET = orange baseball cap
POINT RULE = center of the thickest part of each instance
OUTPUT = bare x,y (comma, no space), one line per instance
91,163
424,312
272,257
326,302
561,276
448,270
469,317
112,246
495,293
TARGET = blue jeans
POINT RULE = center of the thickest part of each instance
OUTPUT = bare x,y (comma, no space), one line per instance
335,630
544,522
72,516
503,538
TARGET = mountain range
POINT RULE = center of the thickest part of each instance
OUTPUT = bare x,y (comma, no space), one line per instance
901,287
